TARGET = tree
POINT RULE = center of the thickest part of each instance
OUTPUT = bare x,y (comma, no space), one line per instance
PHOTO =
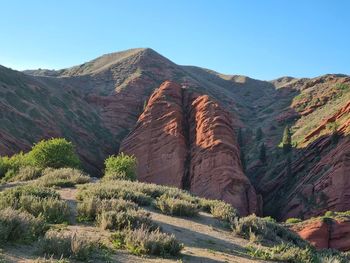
287,140
259,134
120,166
54,153
262,154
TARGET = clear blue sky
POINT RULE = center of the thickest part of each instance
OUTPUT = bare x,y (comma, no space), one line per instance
264,39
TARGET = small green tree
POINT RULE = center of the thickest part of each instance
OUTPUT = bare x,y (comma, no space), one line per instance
259,134
120,166
287,140
262,154
55,153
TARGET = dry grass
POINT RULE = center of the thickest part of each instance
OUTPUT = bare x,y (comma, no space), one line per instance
172,206
57,245
144,241
64,177
130,219
20,226
91,207
36,201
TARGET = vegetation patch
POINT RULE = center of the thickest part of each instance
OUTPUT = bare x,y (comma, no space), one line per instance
19,226
62,245
120,166
265,231
130,219
90,208
143,241
63,177
172,206
38,201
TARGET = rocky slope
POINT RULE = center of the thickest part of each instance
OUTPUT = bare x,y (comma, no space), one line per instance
187,140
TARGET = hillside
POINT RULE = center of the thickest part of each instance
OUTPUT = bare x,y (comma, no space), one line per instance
97,104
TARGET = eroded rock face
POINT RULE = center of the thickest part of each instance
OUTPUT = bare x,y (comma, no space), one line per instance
187,140
326,233
158,141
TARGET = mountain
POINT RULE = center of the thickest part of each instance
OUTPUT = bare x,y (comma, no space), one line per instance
104,104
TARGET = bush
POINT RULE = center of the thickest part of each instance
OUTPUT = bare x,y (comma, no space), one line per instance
121,166
63,177
24,173
113,190
144,241
130,219
12,164
10,197
171,206
219,209
59,245
36,201
54,153
264,231
19,226
329,214
293,254
90,208
53,210
293,220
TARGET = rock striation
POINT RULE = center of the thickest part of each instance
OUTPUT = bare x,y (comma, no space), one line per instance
187,140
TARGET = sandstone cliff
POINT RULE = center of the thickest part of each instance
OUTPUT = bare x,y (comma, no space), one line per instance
187,140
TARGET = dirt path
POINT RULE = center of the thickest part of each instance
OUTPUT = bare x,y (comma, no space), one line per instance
205,239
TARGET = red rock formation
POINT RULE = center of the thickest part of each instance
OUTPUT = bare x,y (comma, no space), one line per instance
344,111
157,140
186,140
215,163
327,182
326,234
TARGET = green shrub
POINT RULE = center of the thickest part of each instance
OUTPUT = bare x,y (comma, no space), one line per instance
294,254
58,244
19,226
51,209
90,208
10,196
63,177
12,164
284,252
24,173
121,166
293,220
219,209
261,230
54,153
144,241
329,214
171,206
113,190
130,219
36,201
